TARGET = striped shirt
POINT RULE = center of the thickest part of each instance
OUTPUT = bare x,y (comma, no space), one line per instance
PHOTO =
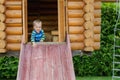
37,37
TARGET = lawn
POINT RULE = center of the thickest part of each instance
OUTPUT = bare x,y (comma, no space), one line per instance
93,78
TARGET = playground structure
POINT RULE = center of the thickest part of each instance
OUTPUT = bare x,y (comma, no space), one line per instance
81,19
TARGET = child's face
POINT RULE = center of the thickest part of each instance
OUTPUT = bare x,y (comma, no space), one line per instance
37,27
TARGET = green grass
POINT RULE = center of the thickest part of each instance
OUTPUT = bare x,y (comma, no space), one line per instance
93,78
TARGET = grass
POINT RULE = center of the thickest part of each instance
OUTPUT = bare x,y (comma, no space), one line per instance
93,78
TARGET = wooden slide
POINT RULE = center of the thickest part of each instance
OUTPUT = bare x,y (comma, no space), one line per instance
46,61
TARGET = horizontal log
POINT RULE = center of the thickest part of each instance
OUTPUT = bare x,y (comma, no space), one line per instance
75,5
54,32
97,21
2,1
89,42
76,21
96,37
2,8
2,35
13,13
88,25
13,24
2,26
97,5
14,30
13,46
3,50
89,8
13,20
2,44
14,2
88,49
76,29
13,7
14,38
97,13
75,13
96,45
2,17
89,1
76,37
89,16
97,29
77,46
88,33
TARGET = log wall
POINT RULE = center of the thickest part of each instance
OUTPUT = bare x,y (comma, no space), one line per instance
14,29
2,27
84,19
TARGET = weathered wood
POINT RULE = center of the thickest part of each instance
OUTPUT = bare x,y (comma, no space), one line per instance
76,21
75,5
89,1
13,13
14,24
2,35
97,21
77,46
76,29
2,44
75,13
54,32
13,46
2,17
88,49
89,16
96,45
18,3
97,5
2,8
2,26
14,30
97,29
3,50
88,33
55,38
89,25
97,13
13,7
88,8
76,37
89,42
96,37
2,1
61,20
14,38
13,20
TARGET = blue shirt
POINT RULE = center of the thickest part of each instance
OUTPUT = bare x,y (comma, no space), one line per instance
37,37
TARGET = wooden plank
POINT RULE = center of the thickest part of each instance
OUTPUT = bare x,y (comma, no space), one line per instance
25,22
13,20
76,37
13,7
76,21
13,3
75,13
61,20
13,46
77,46
75,5
76,29
14,30
14,38
13,13
13,24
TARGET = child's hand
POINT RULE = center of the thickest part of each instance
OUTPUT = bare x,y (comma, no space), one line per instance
34,44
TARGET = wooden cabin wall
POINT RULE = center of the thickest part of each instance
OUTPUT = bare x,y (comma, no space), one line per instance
2,27
13,24
84,19
46,11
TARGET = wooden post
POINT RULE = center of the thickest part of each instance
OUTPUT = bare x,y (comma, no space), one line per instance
61,20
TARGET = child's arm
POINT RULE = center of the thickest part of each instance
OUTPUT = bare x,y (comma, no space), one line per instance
33,38
43,36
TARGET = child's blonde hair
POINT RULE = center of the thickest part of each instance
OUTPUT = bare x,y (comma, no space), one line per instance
37,21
